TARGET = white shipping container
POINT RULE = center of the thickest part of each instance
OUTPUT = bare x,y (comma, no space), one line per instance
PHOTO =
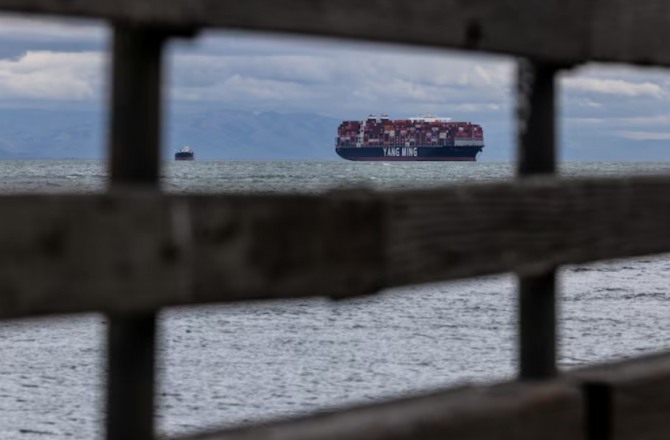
468,143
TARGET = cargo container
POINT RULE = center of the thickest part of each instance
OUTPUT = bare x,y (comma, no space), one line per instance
419,138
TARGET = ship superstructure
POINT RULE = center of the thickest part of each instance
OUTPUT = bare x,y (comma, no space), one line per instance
184,153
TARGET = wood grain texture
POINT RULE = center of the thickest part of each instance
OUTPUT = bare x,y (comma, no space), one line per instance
287,246
633,396
537,28
564,31
526,227
641,31
137,251
505,412
134,251
134,144
63,254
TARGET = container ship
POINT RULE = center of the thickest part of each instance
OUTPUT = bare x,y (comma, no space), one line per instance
420,138
184,154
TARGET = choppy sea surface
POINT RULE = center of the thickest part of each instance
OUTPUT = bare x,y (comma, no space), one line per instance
225,365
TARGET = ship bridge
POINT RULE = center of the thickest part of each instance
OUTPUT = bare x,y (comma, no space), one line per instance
429,118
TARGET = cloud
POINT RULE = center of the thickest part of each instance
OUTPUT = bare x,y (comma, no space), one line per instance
614,87
253,72
269,72
615,103
48,76
616,92
334,81
13,28
344,81
233,69
645,135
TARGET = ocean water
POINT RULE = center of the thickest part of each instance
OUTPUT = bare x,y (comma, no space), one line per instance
225,365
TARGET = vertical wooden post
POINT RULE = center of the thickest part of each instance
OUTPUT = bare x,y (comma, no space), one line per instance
136,106
130,377
135,159
536,155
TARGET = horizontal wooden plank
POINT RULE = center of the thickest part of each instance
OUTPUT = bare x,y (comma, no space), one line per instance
138,251
606,30
526,227
509,411
85,253
637,28
272,247
628,400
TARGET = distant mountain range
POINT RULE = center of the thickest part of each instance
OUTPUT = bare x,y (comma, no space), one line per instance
212,134
243,135
28,133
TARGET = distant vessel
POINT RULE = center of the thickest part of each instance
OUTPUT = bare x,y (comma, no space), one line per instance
184,154
420,138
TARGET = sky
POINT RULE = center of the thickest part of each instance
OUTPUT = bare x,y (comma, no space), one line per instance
607,112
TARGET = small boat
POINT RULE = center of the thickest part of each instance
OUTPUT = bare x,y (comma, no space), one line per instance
184,154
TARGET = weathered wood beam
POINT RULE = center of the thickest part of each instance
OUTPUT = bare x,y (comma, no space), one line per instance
525,227
138,251
76,253
536,156
303,246
560,31
627,400
135,159
507,412
142,250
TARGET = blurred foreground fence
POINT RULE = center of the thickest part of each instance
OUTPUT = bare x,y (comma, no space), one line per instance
132,251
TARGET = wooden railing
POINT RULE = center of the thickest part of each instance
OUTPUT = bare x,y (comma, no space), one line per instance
162,250
133,251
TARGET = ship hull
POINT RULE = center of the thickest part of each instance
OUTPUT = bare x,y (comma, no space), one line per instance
386,154
179,156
